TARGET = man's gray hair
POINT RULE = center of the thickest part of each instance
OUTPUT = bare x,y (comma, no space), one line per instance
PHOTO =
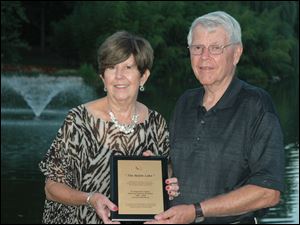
216,19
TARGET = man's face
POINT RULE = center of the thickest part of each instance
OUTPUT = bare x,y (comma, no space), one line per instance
213,69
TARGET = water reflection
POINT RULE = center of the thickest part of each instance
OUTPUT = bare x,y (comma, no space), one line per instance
287,212
24,141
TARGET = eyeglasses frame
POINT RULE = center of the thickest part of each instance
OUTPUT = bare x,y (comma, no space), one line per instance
222,47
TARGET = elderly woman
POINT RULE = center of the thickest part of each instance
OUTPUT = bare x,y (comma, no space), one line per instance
77,164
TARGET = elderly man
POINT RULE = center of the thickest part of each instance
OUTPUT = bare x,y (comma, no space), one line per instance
226,139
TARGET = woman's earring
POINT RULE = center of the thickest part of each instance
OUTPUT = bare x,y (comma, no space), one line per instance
142,88
104,89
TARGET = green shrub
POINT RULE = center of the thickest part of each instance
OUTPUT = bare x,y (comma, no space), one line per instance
89,75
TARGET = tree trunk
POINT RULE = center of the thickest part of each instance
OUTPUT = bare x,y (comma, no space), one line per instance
43,28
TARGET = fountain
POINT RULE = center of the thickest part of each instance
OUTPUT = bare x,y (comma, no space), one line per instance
32,110
39,91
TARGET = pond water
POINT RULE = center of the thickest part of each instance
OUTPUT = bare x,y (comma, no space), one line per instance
25,138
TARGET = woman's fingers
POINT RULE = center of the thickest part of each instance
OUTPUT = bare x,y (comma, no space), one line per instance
148,153
172,180
103,207
172,187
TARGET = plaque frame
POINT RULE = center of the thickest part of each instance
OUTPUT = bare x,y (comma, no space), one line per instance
114,183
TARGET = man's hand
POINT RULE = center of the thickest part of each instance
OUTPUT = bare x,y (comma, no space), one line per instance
180,214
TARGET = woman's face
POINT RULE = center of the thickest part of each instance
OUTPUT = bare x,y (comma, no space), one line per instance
209,69
123,80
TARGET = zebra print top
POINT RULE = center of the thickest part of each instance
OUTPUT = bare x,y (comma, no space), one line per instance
79,157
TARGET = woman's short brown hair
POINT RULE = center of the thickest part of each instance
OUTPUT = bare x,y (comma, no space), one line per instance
120,46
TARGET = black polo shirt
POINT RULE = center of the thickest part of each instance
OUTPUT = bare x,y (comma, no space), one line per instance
239,141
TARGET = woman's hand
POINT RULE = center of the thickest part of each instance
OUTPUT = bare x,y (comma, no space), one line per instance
103,206
172,187
148,153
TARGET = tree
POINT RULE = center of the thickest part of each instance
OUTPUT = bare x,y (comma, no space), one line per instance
12,19
268,48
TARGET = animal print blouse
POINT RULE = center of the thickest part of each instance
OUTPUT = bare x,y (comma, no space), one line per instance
79,157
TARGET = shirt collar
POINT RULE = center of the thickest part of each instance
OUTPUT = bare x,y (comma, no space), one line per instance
229,97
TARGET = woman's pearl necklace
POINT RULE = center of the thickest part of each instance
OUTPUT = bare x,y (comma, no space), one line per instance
124,127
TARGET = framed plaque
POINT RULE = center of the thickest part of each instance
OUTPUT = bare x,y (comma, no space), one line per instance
138,187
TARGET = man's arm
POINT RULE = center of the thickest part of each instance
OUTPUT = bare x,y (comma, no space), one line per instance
240,201
245,199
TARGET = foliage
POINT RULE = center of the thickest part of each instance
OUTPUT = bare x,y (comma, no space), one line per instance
267,57
89,75
269,40
12,17
270,34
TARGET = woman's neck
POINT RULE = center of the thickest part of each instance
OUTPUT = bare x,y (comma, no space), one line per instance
123,111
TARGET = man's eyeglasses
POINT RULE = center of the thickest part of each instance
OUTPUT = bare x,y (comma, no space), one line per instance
212,49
